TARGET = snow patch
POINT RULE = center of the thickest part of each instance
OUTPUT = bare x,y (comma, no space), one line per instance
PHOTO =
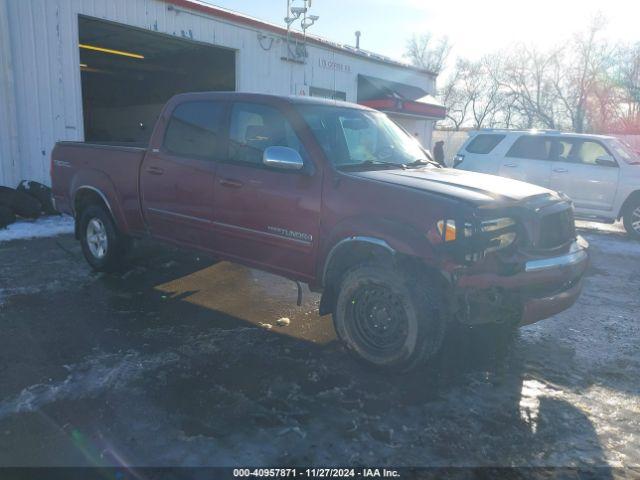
613,244
601,227
42,227
40,287
100,374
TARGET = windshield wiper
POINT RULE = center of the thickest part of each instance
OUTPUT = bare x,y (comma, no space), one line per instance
372,163
423,161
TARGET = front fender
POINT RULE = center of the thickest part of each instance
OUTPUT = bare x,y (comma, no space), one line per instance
395,236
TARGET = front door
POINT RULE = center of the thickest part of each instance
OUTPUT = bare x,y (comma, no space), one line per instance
177,179
266,216
577,173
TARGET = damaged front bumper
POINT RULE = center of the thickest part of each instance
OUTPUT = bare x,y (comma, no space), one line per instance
538,289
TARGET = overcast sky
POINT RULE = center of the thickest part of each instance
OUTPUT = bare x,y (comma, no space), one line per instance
474,27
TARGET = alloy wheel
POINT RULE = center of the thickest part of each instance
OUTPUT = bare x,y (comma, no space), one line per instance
635,220
97,240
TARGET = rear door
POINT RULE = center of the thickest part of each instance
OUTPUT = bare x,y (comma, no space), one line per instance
576,172
177,177
480,154
528,160
266,216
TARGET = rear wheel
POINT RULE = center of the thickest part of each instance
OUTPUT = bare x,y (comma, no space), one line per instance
389,318
631,219
102,245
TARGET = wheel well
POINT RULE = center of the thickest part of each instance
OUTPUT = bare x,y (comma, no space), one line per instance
341,260
633,197
84,198
355,253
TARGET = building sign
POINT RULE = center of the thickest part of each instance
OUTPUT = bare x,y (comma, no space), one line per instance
301,90
325,93
333,65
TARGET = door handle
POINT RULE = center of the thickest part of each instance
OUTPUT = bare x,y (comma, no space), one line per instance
560,170
511,165
155,170
228,182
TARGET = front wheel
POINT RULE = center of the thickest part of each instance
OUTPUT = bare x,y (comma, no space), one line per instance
631,219
102,245
389,318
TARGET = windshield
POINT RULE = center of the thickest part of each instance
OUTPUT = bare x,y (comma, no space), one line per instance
624,151
354,138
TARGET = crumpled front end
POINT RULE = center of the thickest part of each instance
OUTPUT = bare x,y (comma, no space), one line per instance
515,265
540,288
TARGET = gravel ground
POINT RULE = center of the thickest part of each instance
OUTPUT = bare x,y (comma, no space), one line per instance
182,361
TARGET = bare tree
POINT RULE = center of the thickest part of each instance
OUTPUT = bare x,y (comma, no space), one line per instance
526,79
627,77
455,100
473,97
480,87
586,84
428,53
577,70
605,106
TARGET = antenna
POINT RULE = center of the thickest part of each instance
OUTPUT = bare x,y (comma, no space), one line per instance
294,13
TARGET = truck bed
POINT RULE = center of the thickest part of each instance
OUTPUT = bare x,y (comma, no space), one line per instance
109,170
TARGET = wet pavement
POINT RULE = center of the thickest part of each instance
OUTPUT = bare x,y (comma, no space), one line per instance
181,361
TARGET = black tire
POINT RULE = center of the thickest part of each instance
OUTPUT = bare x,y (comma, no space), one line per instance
22,204
388,317
631,218
7,217
110,257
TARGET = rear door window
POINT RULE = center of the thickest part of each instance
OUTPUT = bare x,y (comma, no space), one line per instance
531,146
194,130
484,143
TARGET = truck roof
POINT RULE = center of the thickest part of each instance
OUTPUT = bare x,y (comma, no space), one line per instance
291,99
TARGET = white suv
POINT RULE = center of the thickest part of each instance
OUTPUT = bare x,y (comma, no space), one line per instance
601,174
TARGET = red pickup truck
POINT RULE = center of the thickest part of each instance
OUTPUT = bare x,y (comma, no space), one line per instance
337,196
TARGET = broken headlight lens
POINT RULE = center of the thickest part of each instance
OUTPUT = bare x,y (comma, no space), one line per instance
505,233
497,224
477,239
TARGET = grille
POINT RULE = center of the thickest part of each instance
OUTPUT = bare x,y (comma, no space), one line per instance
556,229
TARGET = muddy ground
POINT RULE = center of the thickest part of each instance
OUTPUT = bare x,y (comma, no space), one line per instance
180,361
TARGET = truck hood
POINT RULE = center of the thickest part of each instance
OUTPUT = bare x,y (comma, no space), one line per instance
476,188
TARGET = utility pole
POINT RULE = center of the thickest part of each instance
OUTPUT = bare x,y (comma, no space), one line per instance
286,19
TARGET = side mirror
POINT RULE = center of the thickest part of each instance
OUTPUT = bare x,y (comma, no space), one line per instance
283,158
606,161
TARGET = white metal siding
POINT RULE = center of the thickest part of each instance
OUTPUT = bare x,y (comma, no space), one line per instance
40,69
8,122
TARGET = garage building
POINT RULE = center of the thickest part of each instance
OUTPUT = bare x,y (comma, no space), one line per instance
96,70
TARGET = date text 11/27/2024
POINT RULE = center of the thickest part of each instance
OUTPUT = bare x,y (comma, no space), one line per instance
316,473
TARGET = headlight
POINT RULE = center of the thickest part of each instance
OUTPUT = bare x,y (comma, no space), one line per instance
501,241
503,238
475,239
497,224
